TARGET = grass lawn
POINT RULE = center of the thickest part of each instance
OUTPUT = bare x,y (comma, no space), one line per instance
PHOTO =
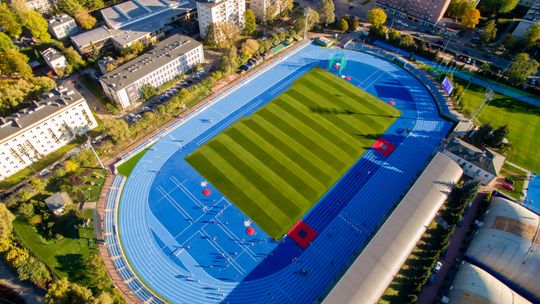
277,163
522,119
38,166
126,168
94,87
66,256
518,176
92,191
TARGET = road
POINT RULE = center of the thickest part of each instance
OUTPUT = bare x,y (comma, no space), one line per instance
30,293
429,294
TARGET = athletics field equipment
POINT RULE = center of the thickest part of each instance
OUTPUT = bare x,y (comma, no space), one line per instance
187,245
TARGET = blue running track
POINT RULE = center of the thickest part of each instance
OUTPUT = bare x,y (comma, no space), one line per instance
189,248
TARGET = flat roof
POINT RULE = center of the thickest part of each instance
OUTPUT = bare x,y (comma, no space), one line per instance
163,53
61,19
52,102
374,269
92,36
125,13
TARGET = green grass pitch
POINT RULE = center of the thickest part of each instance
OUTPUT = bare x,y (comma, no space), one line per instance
277,163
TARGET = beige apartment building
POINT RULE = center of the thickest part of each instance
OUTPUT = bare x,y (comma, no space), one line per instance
424,12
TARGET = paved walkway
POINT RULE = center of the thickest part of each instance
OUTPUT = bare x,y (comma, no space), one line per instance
26,290
429,294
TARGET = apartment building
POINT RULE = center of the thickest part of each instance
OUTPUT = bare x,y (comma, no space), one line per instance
30,134
532,17
42,6
168,59
62,26
261,8
220,11
426,13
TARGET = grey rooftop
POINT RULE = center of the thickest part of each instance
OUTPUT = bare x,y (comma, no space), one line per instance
163,53
52,102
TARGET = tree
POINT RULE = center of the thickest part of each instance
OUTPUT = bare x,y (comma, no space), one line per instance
480,136
376,16
37,184
97,274
104,298
312,19
492,7
522,67
222,34
6,43
13,63
6,222
118,129
35,271
26,210
73,58
470,18
38,26
326,12
343,25
497,137
147,90
407,41
69,7
270,13
71,166
249,48
355,24
250,25
393,35
509,42
84,19
229,62
63,292
457,8
8,21
489,31
93,5
532,35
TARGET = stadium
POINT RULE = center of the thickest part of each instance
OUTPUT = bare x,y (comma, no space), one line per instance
271,191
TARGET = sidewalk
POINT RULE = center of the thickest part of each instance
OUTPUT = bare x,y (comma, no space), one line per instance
429,294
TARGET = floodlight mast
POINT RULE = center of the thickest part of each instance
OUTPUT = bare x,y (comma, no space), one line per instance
95,153
306,13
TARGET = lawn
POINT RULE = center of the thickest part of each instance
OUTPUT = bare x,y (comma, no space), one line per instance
522,119
126,168
66,256
519,180
277,163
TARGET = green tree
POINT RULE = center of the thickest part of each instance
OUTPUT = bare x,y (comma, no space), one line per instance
13,63
470,18
6,222
343,25
522,67
63,292
34,270
480,136
229,62
118,129
26,210
38,26
376,16
93,5
8,21
84,19
492,7
71,166
407,41
497,137
69,7
36,184
489,31
393,35
104,298
532,35
326,12
147,90
6,43
250,25
312,19
509,42
249,48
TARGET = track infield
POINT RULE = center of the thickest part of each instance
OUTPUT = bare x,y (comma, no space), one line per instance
277,163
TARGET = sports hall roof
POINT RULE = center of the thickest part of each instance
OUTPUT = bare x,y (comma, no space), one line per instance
472,285
509,244
369,276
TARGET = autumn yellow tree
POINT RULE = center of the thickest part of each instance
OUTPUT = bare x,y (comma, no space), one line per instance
470,18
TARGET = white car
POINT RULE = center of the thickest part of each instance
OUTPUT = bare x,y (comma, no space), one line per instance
438,267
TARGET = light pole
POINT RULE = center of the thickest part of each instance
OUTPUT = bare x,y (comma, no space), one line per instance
95,153
488,98
306,14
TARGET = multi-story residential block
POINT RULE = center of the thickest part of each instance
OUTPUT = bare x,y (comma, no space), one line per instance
532,17
214,12
132,21
168,59
28,135
264,8
426,13
528,3
62,26
54,59
42,6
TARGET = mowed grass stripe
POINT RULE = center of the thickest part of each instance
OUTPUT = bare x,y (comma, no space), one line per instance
275,160
320,125
303,157
236,187
277,163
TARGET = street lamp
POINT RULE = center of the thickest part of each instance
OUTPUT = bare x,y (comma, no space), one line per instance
306,14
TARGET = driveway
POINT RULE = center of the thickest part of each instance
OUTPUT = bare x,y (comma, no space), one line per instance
26,290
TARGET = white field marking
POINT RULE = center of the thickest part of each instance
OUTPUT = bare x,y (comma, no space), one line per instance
197,219
189,194
231,261
175,204
245,248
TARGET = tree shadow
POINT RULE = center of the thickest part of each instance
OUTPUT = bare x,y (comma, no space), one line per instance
73,265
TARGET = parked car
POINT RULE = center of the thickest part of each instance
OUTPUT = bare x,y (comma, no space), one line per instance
507,187
432,279
437,267
509,180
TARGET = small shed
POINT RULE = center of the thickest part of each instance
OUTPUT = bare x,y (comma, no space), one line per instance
57,202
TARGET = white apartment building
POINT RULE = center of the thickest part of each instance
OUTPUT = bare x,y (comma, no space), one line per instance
261,8
62,26
44,127
42,6
54,59
220,11
168,59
